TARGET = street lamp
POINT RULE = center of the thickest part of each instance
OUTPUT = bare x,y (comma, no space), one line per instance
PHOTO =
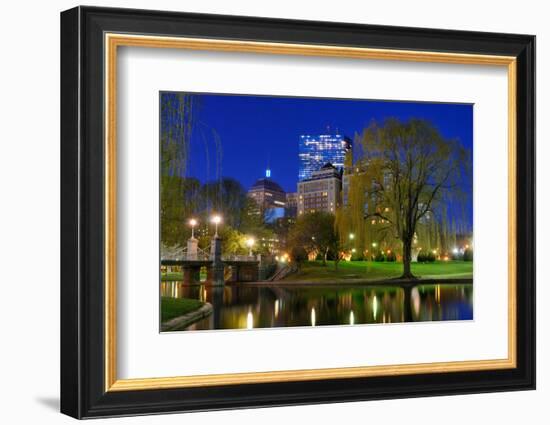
216,220
351,236
374,244
192,223
250,244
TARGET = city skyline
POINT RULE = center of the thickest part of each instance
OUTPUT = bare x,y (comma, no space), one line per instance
260,132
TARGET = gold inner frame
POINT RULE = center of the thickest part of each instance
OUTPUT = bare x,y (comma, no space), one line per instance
113,41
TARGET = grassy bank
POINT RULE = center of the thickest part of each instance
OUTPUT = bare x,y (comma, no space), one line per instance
348,270
172,276
174,307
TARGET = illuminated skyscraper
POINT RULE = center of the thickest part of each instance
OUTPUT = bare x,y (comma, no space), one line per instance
317,150
269,197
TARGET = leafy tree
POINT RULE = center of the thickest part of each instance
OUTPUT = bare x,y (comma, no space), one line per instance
251,221
298,255
179,197
408,173
233,241
226,197
176,127
316,232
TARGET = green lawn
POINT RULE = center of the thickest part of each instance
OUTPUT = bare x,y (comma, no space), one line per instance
172,276
315,271
174,307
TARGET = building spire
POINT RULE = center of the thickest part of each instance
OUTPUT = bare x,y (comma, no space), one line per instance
268,170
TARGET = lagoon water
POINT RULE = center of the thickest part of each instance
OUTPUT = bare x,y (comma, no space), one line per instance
247,306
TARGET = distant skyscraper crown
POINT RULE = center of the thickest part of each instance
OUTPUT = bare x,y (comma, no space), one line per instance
317,150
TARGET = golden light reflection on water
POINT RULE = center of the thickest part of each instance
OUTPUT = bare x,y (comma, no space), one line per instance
249,320
415,298
248,307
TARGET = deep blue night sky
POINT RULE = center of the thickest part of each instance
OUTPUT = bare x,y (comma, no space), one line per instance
255,130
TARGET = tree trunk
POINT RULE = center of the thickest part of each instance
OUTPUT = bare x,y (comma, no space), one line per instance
407,247
325,257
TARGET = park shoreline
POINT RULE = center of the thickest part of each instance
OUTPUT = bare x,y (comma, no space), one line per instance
363,282
180,322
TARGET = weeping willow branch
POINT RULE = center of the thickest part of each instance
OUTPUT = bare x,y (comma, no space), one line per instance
404,186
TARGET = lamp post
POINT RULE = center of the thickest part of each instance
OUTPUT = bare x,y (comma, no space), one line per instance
217,268
192,223
192,243
351,236
216,220
250,244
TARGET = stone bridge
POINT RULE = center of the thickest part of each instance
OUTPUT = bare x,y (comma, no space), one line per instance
192,259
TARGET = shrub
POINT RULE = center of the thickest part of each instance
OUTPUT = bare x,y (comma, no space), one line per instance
391,257
457,256
357,256
468,255
379,257
426,257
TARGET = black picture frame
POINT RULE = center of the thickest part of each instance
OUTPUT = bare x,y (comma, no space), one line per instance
82,212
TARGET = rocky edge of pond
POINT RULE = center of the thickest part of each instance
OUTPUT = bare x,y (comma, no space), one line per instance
181,322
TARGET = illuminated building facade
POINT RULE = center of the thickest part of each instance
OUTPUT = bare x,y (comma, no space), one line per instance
269,196
317,150
321,192
291,204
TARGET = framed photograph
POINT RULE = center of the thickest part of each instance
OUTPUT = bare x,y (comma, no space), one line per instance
261,212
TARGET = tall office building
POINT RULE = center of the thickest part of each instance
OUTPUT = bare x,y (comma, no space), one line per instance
291,209
317,150
269,196
321,192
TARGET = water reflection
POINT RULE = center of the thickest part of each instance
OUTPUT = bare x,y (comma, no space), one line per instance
249,320
247,307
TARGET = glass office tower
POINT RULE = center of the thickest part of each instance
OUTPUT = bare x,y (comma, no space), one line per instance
318,150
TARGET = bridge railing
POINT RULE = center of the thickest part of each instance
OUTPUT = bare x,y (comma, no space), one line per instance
240,258
181,254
